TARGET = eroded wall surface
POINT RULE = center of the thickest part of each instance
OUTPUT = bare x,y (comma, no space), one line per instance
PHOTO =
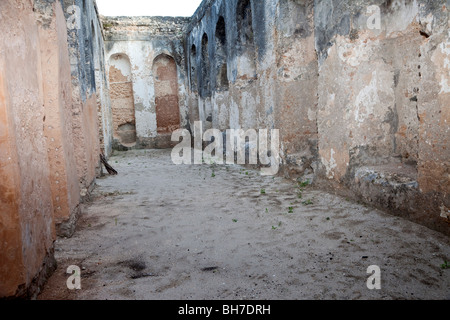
122,99
81,38
58,111
262,75
105,120
26,205
359,92
141,41
383,103
46,109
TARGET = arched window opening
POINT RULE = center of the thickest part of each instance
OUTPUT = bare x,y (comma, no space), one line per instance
221,55
193,61
206,67
122,99
245,40
166,94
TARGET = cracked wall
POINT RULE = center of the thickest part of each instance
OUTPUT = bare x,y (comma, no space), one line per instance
143,40
84,97
376,88
49,135
358,91
122,99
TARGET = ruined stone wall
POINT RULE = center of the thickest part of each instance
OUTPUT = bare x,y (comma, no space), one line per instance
122,100
358,90
226,87
26,221
58,110
383,101
141,41
40,117
102,86
81,38
268,55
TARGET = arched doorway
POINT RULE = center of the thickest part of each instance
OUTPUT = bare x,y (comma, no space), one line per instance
166,94
245,40
221,56
122,99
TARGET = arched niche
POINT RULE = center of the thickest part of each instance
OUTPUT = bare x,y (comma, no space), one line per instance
221,55
166,94
122,99
206,67
193,60
245,40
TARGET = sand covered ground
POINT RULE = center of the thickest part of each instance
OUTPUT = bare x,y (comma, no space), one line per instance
161,231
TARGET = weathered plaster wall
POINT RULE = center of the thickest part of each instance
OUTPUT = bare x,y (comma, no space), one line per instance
84,112
357,106
229,87
297,85
376,88
105,119
166,94
360,108
271,72
45,110
122,99
142,40
58,111
26,205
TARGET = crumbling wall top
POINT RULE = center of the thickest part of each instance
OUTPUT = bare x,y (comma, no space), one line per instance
142,28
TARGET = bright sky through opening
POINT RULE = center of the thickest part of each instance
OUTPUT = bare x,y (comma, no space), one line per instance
175,8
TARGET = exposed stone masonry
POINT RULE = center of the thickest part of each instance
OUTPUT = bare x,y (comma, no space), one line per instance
359,91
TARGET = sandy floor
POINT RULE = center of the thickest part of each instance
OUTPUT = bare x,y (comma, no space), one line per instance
160,231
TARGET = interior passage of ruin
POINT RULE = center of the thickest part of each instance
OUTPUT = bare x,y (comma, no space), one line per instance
258,149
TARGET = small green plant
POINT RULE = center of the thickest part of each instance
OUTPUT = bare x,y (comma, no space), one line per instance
107,25
246,173
307,202
274,228
328,218
303,184
235,220
267,210
291,210
300,188
445,265
213,175
263,191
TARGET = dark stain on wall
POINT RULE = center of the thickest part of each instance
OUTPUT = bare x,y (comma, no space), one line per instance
81,47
